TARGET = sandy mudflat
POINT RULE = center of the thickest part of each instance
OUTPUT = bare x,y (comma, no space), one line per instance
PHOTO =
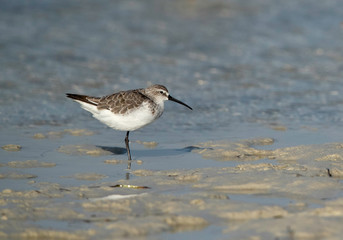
59,134
83,150
11,147
286,193
259,157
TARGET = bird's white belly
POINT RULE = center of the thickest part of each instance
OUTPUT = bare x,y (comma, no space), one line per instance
131,121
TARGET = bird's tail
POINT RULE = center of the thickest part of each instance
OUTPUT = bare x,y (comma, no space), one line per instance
82,98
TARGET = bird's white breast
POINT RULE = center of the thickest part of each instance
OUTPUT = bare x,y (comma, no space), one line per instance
132,120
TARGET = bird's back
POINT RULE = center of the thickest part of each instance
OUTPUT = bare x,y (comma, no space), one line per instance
123,102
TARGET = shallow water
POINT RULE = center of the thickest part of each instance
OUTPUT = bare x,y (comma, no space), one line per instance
251,70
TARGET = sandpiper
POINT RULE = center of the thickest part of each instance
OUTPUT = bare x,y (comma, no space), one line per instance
127,110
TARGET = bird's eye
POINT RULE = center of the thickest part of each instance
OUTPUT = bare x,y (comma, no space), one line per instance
161,92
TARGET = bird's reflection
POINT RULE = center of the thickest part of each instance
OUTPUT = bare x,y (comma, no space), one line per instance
147,153
114,150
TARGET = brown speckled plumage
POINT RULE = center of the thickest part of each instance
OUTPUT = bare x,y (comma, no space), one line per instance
122,102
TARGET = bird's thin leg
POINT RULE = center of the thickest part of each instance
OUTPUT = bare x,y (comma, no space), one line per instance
127,146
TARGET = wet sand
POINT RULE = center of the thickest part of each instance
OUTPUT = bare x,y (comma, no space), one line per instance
284,193
259,157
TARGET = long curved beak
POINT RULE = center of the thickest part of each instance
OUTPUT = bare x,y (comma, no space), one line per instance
178,101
